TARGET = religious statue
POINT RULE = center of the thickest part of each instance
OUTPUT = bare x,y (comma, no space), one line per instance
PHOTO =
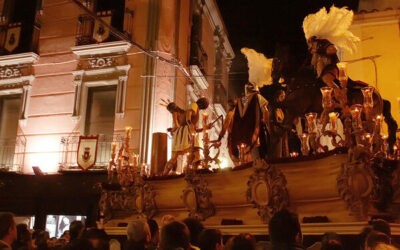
184,132
248,117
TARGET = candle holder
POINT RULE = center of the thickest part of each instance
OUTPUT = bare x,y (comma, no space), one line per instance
333,116
367,140
378,125
242,152
355,112
343,77
368,103
311,119
305,148
327,102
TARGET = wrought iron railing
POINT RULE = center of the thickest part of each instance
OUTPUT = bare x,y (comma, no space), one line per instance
70,145
12,153
86,25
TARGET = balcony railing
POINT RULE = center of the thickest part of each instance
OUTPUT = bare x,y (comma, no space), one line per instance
70,148
12,152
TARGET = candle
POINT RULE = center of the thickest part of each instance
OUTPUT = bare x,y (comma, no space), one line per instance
205,120
304,144
342,66
367,93
355,112
114,147
242,148
332,119
128,131
378,124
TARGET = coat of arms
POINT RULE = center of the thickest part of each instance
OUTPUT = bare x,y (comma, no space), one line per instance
87,152
101,32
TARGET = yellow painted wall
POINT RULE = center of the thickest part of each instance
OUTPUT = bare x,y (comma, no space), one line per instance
380,35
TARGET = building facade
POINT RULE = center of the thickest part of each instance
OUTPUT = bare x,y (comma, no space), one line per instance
94,67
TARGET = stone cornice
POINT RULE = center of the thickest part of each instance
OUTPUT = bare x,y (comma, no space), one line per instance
117,47
376,18
211,10
18,59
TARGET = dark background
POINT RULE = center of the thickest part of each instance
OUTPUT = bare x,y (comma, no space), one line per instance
266,24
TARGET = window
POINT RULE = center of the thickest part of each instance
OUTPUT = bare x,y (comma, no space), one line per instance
10,107
100,113
100,116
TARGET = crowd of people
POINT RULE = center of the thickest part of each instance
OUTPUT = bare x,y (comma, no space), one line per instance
189,234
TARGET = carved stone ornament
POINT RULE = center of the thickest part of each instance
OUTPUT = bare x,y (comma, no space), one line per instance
266,189
356,184
136,199
197,197
101,62
6,72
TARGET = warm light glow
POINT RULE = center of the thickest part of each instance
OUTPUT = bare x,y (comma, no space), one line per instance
43,152
224,163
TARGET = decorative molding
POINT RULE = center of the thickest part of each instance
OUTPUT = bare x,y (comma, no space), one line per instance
197,197
210,8
376,18
18,59
118,47
136,199
356,184
9,72
266,189
350,228
101,62
198,76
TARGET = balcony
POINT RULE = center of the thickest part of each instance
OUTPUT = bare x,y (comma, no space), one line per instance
69,149
12,152
198,56
13,38
89,31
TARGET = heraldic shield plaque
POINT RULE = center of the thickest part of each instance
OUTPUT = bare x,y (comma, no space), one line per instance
87,151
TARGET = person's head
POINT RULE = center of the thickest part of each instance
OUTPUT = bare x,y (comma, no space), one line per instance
331,241
284,227
138,231
175,235
76,229
8,228
41,238
195,227
380,226
97,237
210,239
154,231
166,219
65,236
202,103
241,242
374,238
24,236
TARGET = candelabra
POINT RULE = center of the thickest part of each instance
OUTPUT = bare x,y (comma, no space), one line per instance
125,169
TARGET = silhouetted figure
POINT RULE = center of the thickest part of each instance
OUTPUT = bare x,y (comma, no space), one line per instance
210,239
155,234
138,233
285,231
195,227
76,242
241,242
8,231
175,235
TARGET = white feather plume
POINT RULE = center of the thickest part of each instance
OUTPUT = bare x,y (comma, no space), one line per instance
259,67
333,26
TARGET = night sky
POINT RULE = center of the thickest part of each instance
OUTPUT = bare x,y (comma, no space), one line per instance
265,24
